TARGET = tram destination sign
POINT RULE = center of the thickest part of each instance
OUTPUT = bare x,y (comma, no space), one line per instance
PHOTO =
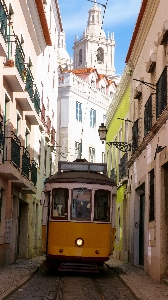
82,166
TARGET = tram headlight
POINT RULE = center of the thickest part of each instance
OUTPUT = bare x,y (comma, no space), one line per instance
79,242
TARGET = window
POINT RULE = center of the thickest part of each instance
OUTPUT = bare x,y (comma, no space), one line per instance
161,93
27,138
102,206
100,55
151,196
92,118
81,204
45,161
39,154
93,83
78,150
103,157
148,115
18,125
103,89
80,56
60,203
78,111
135,136
104,119
91,155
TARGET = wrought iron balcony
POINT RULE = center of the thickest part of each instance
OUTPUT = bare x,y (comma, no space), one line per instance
20,59
123,171
113,175
135,136
161,93
148,115
12,154
25,163
36,100
3,19
34,172
29,83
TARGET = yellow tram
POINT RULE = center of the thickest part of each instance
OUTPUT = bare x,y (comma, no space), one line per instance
77,214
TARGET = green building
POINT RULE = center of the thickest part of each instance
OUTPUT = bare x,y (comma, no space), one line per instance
117,150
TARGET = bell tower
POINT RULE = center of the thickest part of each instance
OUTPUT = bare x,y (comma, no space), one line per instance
94,49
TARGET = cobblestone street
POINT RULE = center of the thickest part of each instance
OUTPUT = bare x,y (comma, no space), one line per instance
74,286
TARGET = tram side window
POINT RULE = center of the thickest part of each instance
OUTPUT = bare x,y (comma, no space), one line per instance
81,204
60,204
102,206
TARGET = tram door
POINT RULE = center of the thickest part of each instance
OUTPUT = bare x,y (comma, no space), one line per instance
141,229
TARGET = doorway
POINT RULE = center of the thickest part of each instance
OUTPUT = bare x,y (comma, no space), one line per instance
141,229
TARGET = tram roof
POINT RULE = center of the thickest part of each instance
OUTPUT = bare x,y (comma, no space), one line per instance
81,176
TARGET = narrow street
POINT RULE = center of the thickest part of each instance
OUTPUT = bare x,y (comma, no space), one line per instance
74,286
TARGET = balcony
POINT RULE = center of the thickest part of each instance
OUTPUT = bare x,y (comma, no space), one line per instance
3,28
123,171
25,163
138,91
148,115
113,174
161,93
11,158
16,164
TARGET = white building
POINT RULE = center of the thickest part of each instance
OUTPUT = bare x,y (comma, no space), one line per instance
94,49
85,91
28,120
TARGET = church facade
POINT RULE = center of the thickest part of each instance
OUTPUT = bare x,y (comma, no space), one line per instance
85,91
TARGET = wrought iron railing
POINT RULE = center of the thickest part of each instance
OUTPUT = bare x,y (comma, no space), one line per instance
3,19
135,136
148,115
12,153
36,100
113,175
34,172
25,163
123,170
161,93
20,59
29,83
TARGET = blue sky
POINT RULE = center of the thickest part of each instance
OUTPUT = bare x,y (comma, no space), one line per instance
120,18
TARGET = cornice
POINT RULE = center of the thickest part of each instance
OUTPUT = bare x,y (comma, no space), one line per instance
94,95
117,97
43,21
150,135
141,31
57,14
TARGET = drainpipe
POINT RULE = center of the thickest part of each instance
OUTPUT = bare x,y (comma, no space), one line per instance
48,216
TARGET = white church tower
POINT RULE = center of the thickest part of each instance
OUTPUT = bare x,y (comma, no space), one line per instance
94,49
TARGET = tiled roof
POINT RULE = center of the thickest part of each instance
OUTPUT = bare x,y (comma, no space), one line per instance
84,71
137,25
43,21
59,15
88,71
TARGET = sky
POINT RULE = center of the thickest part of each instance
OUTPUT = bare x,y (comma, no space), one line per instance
120,17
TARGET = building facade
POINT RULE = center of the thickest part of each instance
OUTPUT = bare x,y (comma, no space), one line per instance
118,125
28,120
85,91
81,109
147,59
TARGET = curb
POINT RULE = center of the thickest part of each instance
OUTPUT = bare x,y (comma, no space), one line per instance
13,288
125,279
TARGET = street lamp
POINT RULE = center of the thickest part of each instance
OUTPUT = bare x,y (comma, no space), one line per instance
102,132
122,146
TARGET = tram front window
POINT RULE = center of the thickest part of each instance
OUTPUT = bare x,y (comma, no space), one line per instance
102,206
60,204
81,204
